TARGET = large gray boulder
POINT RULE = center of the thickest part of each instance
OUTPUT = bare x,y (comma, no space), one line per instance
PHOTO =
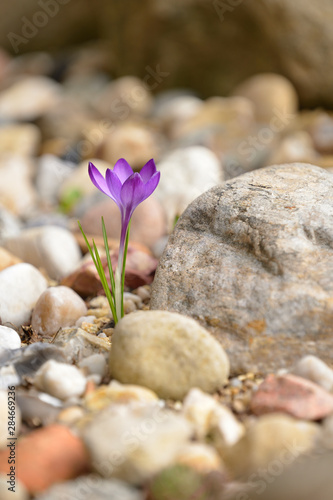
252,260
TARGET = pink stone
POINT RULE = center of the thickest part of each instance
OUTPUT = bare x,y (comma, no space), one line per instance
293,395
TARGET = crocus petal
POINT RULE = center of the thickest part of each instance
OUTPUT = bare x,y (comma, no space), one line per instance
123,170
132,191
148,171
114,186
151,185
97,179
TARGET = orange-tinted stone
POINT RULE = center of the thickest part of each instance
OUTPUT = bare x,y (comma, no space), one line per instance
46,456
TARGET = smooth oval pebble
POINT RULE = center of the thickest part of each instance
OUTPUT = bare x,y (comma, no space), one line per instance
60,380
183,179
314,369
168,353
20,288
51,247
56,308
9,338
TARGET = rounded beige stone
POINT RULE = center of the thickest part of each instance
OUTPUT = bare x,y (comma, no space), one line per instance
273,96
56,308
168,353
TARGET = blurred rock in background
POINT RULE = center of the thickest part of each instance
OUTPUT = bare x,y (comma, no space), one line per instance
208,46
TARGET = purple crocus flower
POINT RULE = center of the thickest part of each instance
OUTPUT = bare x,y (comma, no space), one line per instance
127,188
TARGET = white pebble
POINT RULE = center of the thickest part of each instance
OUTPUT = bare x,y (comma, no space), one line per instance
20,288
95,364
85,319
207,415
314,369
9,338
61,380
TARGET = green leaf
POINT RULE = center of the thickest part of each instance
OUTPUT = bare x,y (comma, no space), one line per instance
108,258
99,267
104,282
123,269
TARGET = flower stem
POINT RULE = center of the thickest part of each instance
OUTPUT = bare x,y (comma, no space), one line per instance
120,270
118,295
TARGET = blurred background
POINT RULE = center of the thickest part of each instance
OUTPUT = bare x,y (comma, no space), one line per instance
209,88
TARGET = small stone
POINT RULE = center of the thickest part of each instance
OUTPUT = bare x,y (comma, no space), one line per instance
136,142
61,380
91,487
129,306
134,298
38,408
228,114
273,95
56,308
183,178
20,492
68,416
293,148
10,225
9,338
124,97
176,109
118,393
314,369
100,302
322,133
117,450
271,439
95,364
20,287
19,197
293,395
200,457
30,358
7,259
8,404
327,437
143,292
179,482
51,247
78,344
168,353
85,319
22,139
207,415
28,98
51,174
8,376
46,456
